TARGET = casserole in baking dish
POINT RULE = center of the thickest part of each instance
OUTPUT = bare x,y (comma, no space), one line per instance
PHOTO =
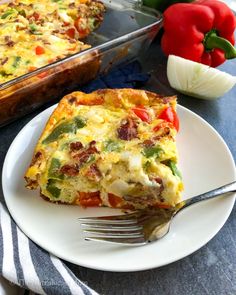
36,33
133,29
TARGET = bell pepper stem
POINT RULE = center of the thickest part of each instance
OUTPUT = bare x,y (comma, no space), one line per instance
212,40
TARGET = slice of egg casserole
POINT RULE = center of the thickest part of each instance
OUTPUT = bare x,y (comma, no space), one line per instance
36,33
112,147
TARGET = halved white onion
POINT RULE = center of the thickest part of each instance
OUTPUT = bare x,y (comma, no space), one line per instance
196,79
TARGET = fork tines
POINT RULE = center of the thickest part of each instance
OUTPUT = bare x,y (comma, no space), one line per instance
111,229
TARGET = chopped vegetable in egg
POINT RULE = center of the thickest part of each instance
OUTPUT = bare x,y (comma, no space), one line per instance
36,33
97,151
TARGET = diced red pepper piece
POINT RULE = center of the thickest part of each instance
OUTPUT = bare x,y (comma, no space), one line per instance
142,113
71,33
65,24
114,200
81,28
39,50
36,15
31,69
170,115
90,199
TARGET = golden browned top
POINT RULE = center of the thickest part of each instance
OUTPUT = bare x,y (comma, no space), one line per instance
36,33
114,99
125,98
112,141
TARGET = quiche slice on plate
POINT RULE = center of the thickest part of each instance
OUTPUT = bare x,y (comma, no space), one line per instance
112,147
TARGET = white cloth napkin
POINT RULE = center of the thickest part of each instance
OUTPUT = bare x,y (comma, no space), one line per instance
25,264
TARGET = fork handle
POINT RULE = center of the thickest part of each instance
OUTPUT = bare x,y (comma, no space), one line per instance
231,187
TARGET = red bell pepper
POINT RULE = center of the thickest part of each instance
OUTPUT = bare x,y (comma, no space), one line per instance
202,31
36,16
81,27
71,33
169,115
90,199
141,112
39,50
114,200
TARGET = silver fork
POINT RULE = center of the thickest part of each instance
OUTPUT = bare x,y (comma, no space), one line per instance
140,227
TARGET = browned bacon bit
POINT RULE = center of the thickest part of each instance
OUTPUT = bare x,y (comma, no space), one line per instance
31,184
147,199
165,132
127,129
8,41
76,146
70,170
83,156
72,99
4,60
92,148
159,181
72,41
92,143
148,143
40,22
36,157
94,173
72,5
46,42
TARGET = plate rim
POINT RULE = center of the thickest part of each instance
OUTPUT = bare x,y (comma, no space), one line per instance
115,269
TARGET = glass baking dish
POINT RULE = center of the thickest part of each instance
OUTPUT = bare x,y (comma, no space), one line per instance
126,33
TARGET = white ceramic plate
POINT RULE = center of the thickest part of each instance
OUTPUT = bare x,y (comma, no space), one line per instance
206,163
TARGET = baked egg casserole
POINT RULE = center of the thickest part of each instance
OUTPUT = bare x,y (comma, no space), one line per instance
36,33
112,147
